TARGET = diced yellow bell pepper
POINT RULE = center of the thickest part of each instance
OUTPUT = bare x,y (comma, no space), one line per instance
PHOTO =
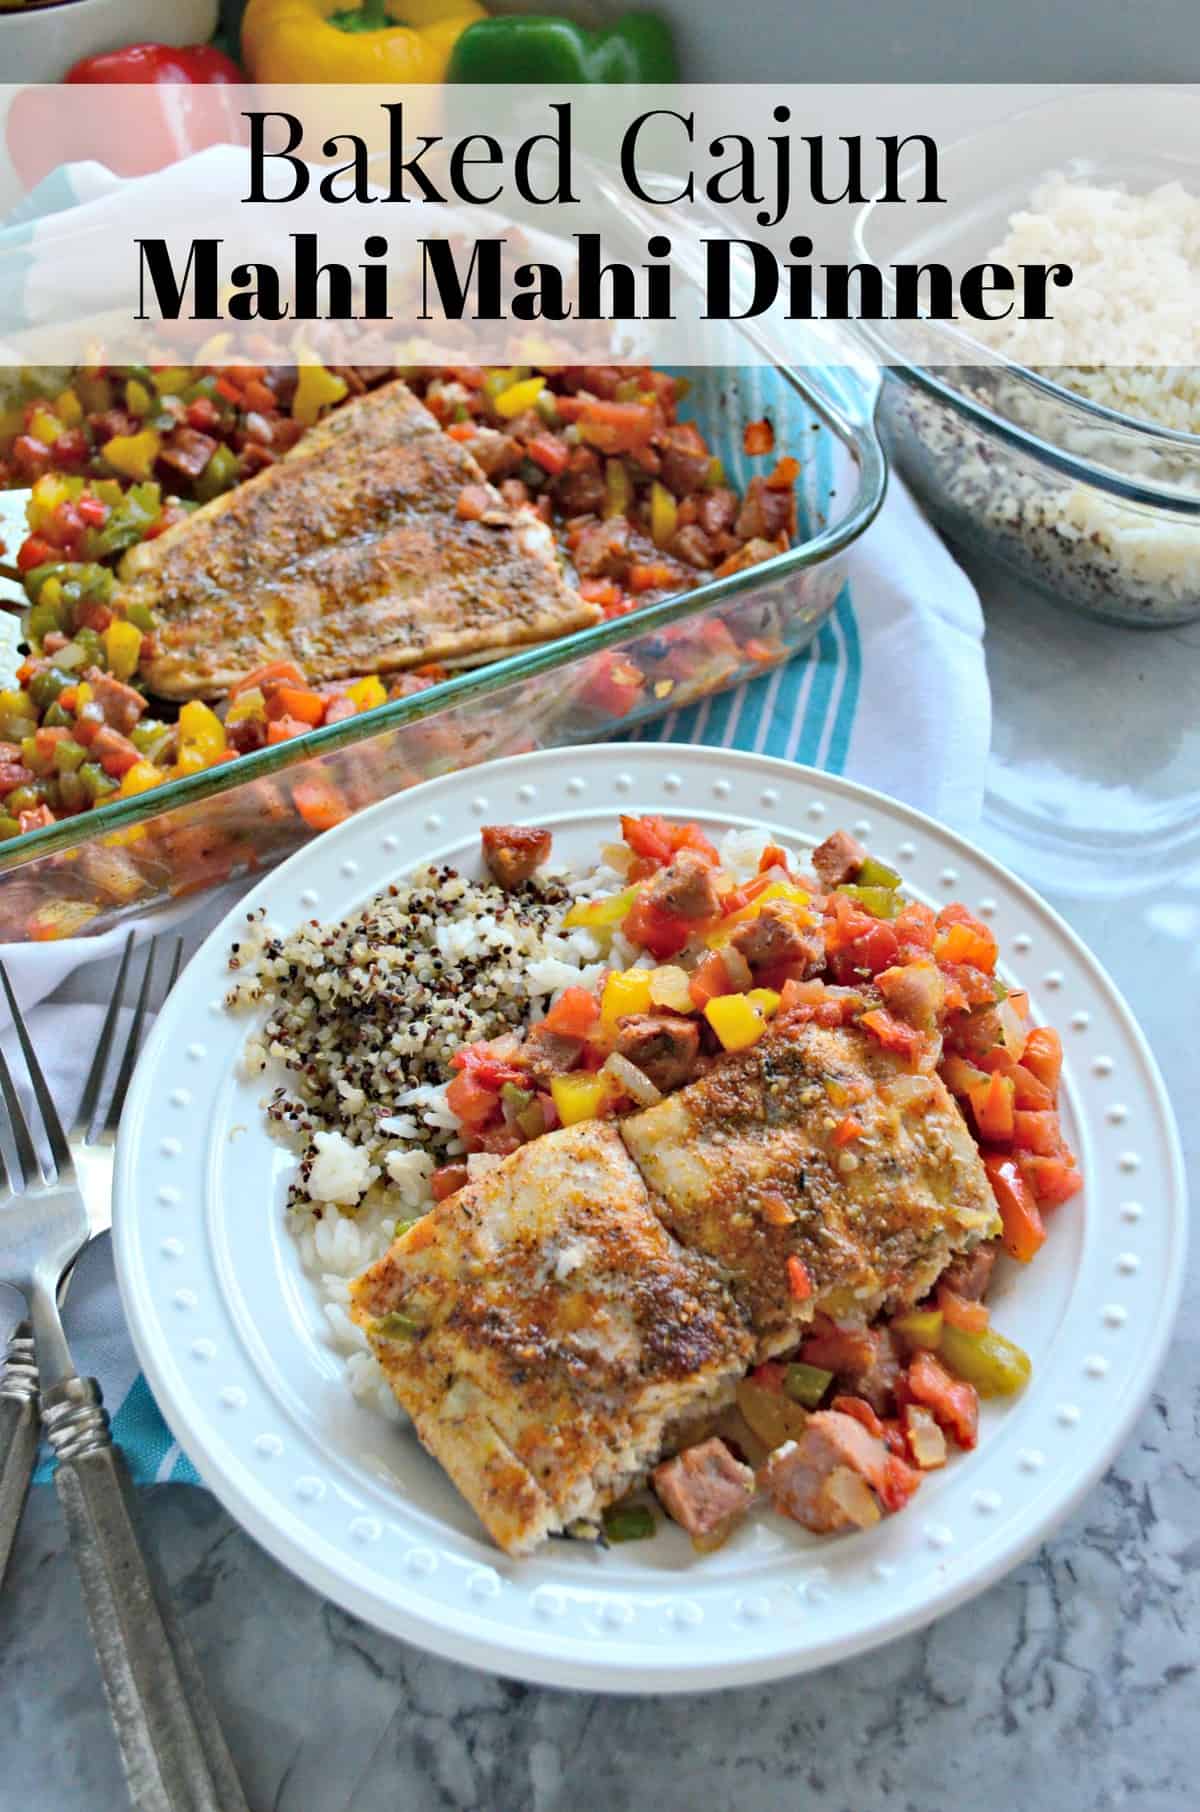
580,1097
190,761
45,427
519,396
132,455
47,494
248,705
766,1000
919,1327
137,398
625,991
201,730
736,1020
597,915
139,779
664,514
367,692
50,591
83,695
995,1366
173,380
316,389
69,408
122,645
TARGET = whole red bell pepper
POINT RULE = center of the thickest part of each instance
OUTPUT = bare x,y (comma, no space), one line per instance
194,106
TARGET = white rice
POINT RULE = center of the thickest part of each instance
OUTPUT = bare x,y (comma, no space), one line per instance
366,1112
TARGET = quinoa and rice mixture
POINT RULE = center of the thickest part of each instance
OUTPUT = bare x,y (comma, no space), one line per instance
364,1016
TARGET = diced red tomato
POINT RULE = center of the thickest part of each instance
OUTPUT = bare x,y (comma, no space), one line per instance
769,1376
551,453
474,1104
1042,1056
282,729
203,414
992,1105
115,753
783,473
263,678
955,1404
758,438
800,1285
1053,1180
652,575
660,839
861,1410
893,1034
962,938
616,427
961,1312
573,1014
614,684
710,980
1039,1132
847,1130
1029,1092
34,551
652,929
92,511
448,1181
299,702
1023,1233
490,1064
773,857
915,924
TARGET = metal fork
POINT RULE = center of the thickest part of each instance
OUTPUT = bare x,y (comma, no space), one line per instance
174,1755
93,1143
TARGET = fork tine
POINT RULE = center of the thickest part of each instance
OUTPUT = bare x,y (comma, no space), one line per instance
54,1132
176,965
129,1054
86,1111
27,1158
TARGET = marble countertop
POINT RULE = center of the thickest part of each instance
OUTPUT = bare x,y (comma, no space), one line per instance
1072,1686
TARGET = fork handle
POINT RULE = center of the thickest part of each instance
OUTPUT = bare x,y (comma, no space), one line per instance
174,1754
18,1435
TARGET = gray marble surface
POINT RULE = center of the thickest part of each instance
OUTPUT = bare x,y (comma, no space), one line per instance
1071,1686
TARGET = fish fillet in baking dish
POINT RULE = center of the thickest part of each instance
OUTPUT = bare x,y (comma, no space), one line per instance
547,1334
349,556
746,1171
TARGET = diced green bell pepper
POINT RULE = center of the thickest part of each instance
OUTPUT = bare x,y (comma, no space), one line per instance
806,1384
628,1522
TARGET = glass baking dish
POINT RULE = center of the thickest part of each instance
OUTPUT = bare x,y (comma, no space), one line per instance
81,875
1097,509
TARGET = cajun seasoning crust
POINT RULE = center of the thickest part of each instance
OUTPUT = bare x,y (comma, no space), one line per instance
349,556
560,1333
747,1173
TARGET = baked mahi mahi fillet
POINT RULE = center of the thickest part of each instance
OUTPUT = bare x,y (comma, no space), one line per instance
746,1172
349,556
557,1325
547,1335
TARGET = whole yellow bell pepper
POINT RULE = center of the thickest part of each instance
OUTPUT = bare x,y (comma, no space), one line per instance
384,41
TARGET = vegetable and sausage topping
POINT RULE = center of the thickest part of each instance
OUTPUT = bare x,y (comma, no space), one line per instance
833,1105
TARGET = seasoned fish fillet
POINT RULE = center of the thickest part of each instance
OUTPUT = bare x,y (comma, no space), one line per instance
349,556
546,1333
747,1173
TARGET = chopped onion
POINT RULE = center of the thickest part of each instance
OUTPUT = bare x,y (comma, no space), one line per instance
1013,1029
633,1081
926,1442
618,856
737,969
906,1091
71,657
669,987
853,1496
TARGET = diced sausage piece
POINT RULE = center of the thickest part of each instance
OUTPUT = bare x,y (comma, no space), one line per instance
827,1479
686,889
663,1046
776,937
513,851
766,514
970,1275
188,451
121,705
876,1382
704,1487
685,459
839,858
546,1054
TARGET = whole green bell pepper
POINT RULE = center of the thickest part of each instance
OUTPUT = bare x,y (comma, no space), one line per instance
537,51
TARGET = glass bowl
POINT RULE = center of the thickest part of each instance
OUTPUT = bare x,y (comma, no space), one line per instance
1098,509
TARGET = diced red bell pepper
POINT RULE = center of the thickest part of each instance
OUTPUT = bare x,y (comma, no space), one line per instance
900,1481
758,438
962,938
1039,1132
710,980
955,1404
773,857
282,729
861,1410
551,453
1023,1233
115,753
769,1376
800,1284
318,800
296,701
614,685
34,551
961,1311
659,839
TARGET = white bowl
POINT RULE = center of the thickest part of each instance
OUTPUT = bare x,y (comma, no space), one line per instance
40,43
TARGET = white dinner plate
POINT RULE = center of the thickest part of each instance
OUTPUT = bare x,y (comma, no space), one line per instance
228,1327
